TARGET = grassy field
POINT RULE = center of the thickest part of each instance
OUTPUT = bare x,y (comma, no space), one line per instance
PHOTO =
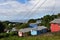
47,36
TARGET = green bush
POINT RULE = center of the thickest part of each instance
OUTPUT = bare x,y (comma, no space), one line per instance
25,25
32,21
3,35
12,33
27,34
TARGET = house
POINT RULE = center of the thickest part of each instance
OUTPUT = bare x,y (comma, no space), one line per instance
14,29
33,25
33,31
22,32
55,25
39,30
38,21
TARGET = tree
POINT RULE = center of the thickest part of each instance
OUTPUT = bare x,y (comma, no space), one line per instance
7,25
32,21
1,27
54,16
45,20
58,15
25,25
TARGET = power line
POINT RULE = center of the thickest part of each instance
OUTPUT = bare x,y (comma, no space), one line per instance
53,7
52,11
31,9
37,8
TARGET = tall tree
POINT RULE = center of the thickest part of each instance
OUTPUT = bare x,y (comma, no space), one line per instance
1,27
32,21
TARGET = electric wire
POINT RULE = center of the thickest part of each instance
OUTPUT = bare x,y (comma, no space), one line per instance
31,9
37,8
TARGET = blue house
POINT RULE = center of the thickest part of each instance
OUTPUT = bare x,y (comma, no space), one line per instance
33,32
39,30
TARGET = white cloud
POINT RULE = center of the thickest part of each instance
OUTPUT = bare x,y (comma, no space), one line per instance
12,9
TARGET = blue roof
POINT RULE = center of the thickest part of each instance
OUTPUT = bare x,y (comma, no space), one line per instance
33,25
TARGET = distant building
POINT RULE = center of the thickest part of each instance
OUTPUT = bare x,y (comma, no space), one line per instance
55,25
13,29
38,21
33,25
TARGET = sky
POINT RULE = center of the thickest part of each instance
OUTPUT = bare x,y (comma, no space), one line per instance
27,9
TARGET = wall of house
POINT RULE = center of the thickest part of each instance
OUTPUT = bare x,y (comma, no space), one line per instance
33,32
55,27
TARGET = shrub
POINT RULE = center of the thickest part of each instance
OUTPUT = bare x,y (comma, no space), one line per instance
25,25
12,33
27,34
32,21
3,35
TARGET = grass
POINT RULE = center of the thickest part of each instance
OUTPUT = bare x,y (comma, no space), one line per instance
47,36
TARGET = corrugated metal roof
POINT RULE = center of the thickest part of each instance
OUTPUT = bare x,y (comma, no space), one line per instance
41,27
29,29
55,21
25,30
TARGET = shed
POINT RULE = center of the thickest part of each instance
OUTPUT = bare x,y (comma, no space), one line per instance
55,25
39,30
14,29
25,30
38,21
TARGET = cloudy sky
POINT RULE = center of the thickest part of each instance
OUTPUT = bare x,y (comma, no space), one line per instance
26,9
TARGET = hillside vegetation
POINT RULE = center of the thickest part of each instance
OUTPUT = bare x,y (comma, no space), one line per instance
47,36
48,18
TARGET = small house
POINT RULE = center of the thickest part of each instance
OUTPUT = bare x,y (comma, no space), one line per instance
33,25
14,29
55,25
38,21
39,30
24,31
